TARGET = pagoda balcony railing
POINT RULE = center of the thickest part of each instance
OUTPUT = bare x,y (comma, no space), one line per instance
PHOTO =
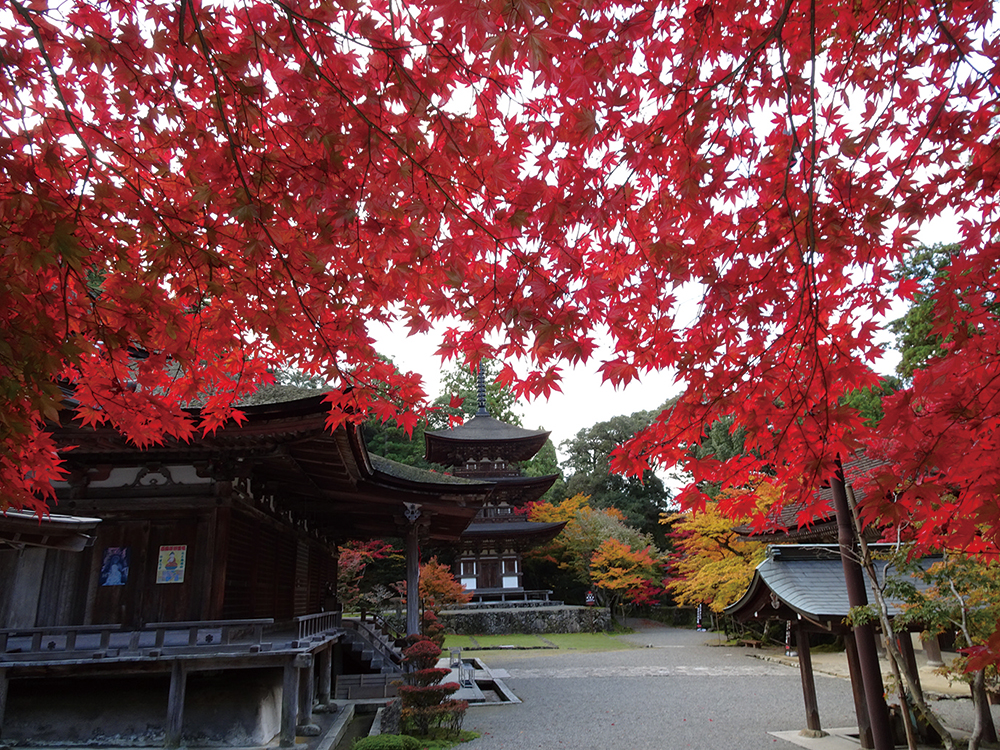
486,473
500,514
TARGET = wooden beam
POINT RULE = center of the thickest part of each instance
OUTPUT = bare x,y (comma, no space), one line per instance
808,680
175,704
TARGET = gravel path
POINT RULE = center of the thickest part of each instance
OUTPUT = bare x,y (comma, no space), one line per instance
677,691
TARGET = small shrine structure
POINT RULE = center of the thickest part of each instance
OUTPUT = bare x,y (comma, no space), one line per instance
485,449
804,584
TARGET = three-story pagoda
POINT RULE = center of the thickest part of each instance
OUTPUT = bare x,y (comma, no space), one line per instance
486,449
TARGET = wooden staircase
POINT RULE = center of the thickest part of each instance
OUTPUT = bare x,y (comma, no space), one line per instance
375,656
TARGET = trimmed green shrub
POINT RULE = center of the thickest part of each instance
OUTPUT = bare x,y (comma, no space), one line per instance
423,699
387,742
448,716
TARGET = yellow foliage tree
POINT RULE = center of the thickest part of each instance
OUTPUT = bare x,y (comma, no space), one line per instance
711,565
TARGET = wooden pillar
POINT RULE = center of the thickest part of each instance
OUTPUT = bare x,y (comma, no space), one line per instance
306,696
175,704
412,579
932,647
905,643
289,704
860,706
4,686
307,693
808,681
857,595
325,666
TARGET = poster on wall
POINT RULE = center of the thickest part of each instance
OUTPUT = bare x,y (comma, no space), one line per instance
170,564
114,566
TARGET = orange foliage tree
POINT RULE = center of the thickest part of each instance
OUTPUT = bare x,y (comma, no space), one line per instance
625,576
587,529
438,589
710,563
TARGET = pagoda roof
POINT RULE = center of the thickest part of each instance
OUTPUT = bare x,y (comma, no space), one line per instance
520,490
805,582
321,477
534,532
483,436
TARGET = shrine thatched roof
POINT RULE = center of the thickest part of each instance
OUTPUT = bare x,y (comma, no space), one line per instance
324,478
806,582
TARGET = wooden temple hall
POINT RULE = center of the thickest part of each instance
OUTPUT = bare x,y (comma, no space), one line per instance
178,584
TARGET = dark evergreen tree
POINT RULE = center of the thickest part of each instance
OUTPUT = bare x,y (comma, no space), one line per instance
914,338
641,499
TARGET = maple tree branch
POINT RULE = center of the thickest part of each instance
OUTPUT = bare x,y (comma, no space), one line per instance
409,157
432,178
85,144
54,77
235,151
943,27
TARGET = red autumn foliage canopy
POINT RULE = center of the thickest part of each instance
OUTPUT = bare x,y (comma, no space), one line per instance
717,187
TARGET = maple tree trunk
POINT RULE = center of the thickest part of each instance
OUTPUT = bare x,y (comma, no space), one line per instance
892,649
871,672
982,728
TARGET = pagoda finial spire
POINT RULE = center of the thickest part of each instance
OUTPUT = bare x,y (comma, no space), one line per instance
482,393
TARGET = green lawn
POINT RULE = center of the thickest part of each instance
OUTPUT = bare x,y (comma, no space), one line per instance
564,641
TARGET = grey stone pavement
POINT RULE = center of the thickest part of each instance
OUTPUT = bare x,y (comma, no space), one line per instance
680,690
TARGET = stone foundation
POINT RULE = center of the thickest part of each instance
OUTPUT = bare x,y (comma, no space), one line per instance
504,621
239,708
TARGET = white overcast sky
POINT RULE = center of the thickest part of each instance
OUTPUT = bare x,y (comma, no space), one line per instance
584,400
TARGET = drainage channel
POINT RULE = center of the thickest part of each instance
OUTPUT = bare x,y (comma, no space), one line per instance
358,727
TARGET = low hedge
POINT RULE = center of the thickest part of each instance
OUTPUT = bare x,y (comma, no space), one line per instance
387,742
